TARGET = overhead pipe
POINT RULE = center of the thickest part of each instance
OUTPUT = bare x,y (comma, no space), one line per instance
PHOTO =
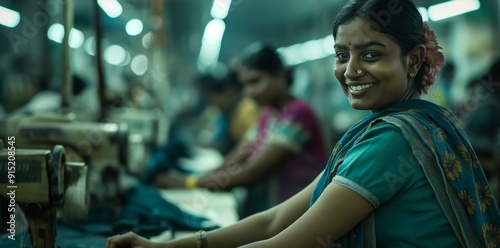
98,55
66,79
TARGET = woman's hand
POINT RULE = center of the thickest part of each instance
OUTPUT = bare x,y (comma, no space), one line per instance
130,240
170,179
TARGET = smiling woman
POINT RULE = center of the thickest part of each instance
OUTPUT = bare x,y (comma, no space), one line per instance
405,176
371,69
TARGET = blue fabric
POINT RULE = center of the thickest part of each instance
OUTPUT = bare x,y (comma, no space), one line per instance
459,168
148,213
166,158
145,212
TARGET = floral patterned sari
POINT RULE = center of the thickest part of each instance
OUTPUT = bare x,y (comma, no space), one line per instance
449,163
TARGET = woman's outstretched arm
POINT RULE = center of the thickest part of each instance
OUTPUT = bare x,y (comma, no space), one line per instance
337,211
233,174
260,226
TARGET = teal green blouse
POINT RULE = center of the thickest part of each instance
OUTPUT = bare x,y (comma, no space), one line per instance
382,169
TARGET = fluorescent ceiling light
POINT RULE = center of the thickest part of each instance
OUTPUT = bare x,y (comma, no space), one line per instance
146,39
220,9
423,13
89,46
214,31
115,55
56,33
134,27
76,38
209,56
8,17
211,44
127,59
308,51
139,64
112,8
452,8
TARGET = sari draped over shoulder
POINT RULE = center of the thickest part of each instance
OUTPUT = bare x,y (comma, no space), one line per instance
449,163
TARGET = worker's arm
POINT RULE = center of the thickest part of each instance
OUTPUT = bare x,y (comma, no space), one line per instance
337,211
268,159
236,156
235,174
260,226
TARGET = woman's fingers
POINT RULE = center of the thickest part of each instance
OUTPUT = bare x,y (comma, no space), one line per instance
122,241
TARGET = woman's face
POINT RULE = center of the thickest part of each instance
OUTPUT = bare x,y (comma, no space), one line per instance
383,79
261,86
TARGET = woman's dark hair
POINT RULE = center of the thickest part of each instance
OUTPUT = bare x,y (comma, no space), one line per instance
265,58
397,18
208,82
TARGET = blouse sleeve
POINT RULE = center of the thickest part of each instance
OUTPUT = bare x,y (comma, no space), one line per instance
293,130
379,166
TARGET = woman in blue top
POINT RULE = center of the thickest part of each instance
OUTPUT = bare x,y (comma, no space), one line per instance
405,176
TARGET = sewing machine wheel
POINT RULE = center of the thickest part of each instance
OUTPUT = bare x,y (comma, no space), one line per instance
76,198
57,174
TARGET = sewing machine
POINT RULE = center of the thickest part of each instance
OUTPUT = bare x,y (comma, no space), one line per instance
149,123
104,147
40,182
148,129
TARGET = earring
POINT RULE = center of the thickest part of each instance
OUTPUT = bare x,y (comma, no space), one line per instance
412,74
359,71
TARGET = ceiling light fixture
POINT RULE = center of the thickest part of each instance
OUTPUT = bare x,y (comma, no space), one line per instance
9,18
220,9
112,8
452,8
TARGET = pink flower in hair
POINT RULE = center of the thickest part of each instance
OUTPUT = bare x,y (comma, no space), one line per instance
433,57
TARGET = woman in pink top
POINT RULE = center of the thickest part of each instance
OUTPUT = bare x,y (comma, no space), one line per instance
281,154
287,134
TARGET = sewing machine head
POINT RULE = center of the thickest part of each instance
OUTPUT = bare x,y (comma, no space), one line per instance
40,182
149,123
148,129
104,147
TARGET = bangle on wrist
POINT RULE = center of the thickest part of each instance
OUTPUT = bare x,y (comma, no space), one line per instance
191,181
201,239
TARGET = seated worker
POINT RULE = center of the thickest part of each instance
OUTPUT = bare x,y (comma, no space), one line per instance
281,154
237,112
234,116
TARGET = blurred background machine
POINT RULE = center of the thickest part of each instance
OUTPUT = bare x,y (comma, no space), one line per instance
44,184
113,152
104,147
150,124
148,129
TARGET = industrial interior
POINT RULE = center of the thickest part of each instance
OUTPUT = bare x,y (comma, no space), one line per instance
85,114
